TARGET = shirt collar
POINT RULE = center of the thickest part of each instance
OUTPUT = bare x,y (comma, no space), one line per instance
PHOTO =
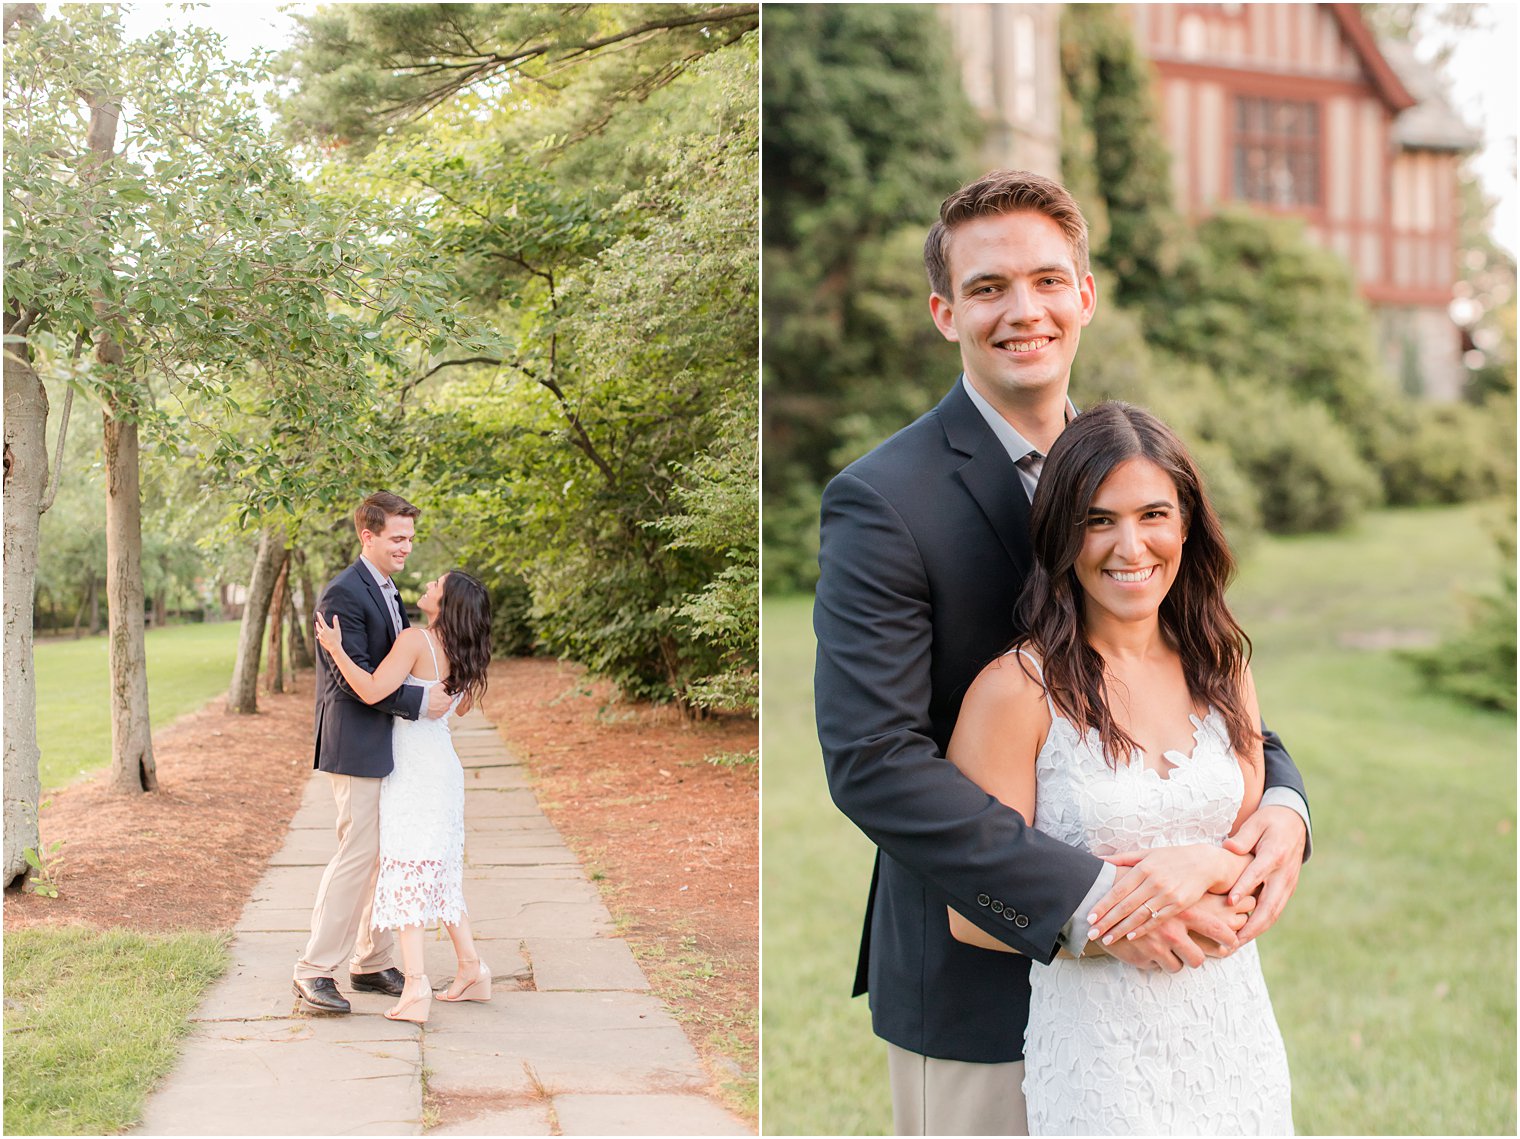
381,580
1016,445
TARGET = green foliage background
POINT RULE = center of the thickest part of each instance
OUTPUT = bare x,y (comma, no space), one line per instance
599,209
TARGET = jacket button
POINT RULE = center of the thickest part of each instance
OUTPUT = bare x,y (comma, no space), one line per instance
1008,915
982,899
997,906
1021,921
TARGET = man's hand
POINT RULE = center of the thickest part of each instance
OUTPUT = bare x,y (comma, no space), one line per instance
438,702
1275,837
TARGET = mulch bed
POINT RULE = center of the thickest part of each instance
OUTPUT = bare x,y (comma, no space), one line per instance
187,856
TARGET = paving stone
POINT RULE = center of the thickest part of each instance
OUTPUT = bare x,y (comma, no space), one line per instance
532,1120
492,802
308,847
506,824
644,1115
270,917
496,850
583,963
561,1042
495,778
331,1076
585,1033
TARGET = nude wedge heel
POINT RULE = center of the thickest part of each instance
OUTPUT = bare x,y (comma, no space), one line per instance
477,990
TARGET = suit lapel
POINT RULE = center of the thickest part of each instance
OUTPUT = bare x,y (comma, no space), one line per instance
988,475
378,595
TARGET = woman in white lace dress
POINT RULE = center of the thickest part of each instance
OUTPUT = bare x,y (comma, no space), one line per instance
422,799
1125,721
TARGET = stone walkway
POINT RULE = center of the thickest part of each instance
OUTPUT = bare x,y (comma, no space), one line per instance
571,1043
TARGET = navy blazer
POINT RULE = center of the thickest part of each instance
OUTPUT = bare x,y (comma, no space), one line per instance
352,737
924,550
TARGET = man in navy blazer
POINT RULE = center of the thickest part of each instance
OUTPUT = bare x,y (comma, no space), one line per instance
924,549
353,745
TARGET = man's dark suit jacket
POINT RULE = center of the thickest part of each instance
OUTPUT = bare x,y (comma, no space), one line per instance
354,738
924,551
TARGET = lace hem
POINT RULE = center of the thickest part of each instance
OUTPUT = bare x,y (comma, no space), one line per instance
418,893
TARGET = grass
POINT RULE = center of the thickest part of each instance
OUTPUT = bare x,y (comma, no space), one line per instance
187,666
93,1019
1392,971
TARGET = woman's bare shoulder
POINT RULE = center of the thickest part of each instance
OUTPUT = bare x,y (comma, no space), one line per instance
1013,677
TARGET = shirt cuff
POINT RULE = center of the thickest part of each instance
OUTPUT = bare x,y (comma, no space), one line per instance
1288,797
1074,932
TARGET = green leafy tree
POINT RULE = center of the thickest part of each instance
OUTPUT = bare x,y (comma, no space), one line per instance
866,131
1114,157
602,216
186,252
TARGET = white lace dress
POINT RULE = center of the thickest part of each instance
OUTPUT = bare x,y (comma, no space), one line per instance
421,824
1114,1050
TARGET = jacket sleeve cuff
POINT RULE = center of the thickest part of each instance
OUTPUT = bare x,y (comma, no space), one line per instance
1288,797
1074,932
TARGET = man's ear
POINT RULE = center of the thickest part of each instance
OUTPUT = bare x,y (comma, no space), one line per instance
941,311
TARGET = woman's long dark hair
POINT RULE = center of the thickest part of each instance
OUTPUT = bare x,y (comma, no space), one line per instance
1194,617
463,626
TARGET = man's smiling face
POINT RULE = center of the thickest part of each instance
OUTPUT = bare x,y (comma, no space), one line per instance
1018,307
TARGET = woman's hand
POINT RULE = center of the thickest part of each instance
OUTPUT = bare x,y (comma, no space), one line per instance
1158,884
330,637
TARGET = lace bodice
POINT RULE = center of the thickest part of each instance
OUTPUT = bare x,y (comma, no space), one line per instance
1084,802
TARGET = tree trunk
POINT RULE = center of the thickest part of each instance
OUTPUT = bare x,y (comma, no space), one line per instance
160,608
132,769
26,471
302,630
94,606
243,695
274,660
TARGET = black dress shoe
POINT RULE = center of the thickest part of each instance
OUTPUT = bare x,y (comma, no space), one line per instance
320,994
387,981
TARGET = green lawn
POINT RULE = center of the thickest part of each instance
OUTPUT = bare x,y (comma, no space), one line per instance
92,1019
1393,970
187,666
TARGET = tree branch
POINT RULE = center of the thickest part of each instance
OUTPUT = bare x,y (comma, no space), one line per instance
55,474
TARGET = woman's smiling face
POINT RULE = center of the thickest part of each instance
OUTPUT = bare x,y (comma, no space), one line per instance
1132,543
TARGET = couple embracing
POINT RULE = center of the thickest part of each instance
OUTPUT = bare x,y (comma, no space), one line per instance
385,691
1033,699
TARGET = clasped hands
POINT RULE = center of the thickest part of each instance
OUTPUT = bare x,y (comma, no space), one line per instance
1173,906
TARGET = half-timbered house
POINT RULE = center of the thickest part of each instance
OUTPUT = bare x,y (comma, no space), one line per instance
1296,108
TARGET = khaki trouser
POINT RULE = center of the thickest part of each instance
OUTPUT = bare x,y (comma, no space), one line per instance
340,919
954,1097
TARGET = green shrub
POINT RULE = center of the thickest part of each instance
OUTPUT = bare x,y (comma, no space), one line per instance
1116,363
1478,664
789,538
511,600
1430,454
1254,300
1302,464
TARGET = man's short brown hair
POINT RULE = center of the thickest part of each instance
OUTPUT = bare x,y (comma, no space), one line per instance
374,510
1003,192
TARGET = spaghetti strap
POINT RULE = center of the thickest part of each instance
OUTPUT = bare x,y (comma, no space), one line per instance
437,673
1040,672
